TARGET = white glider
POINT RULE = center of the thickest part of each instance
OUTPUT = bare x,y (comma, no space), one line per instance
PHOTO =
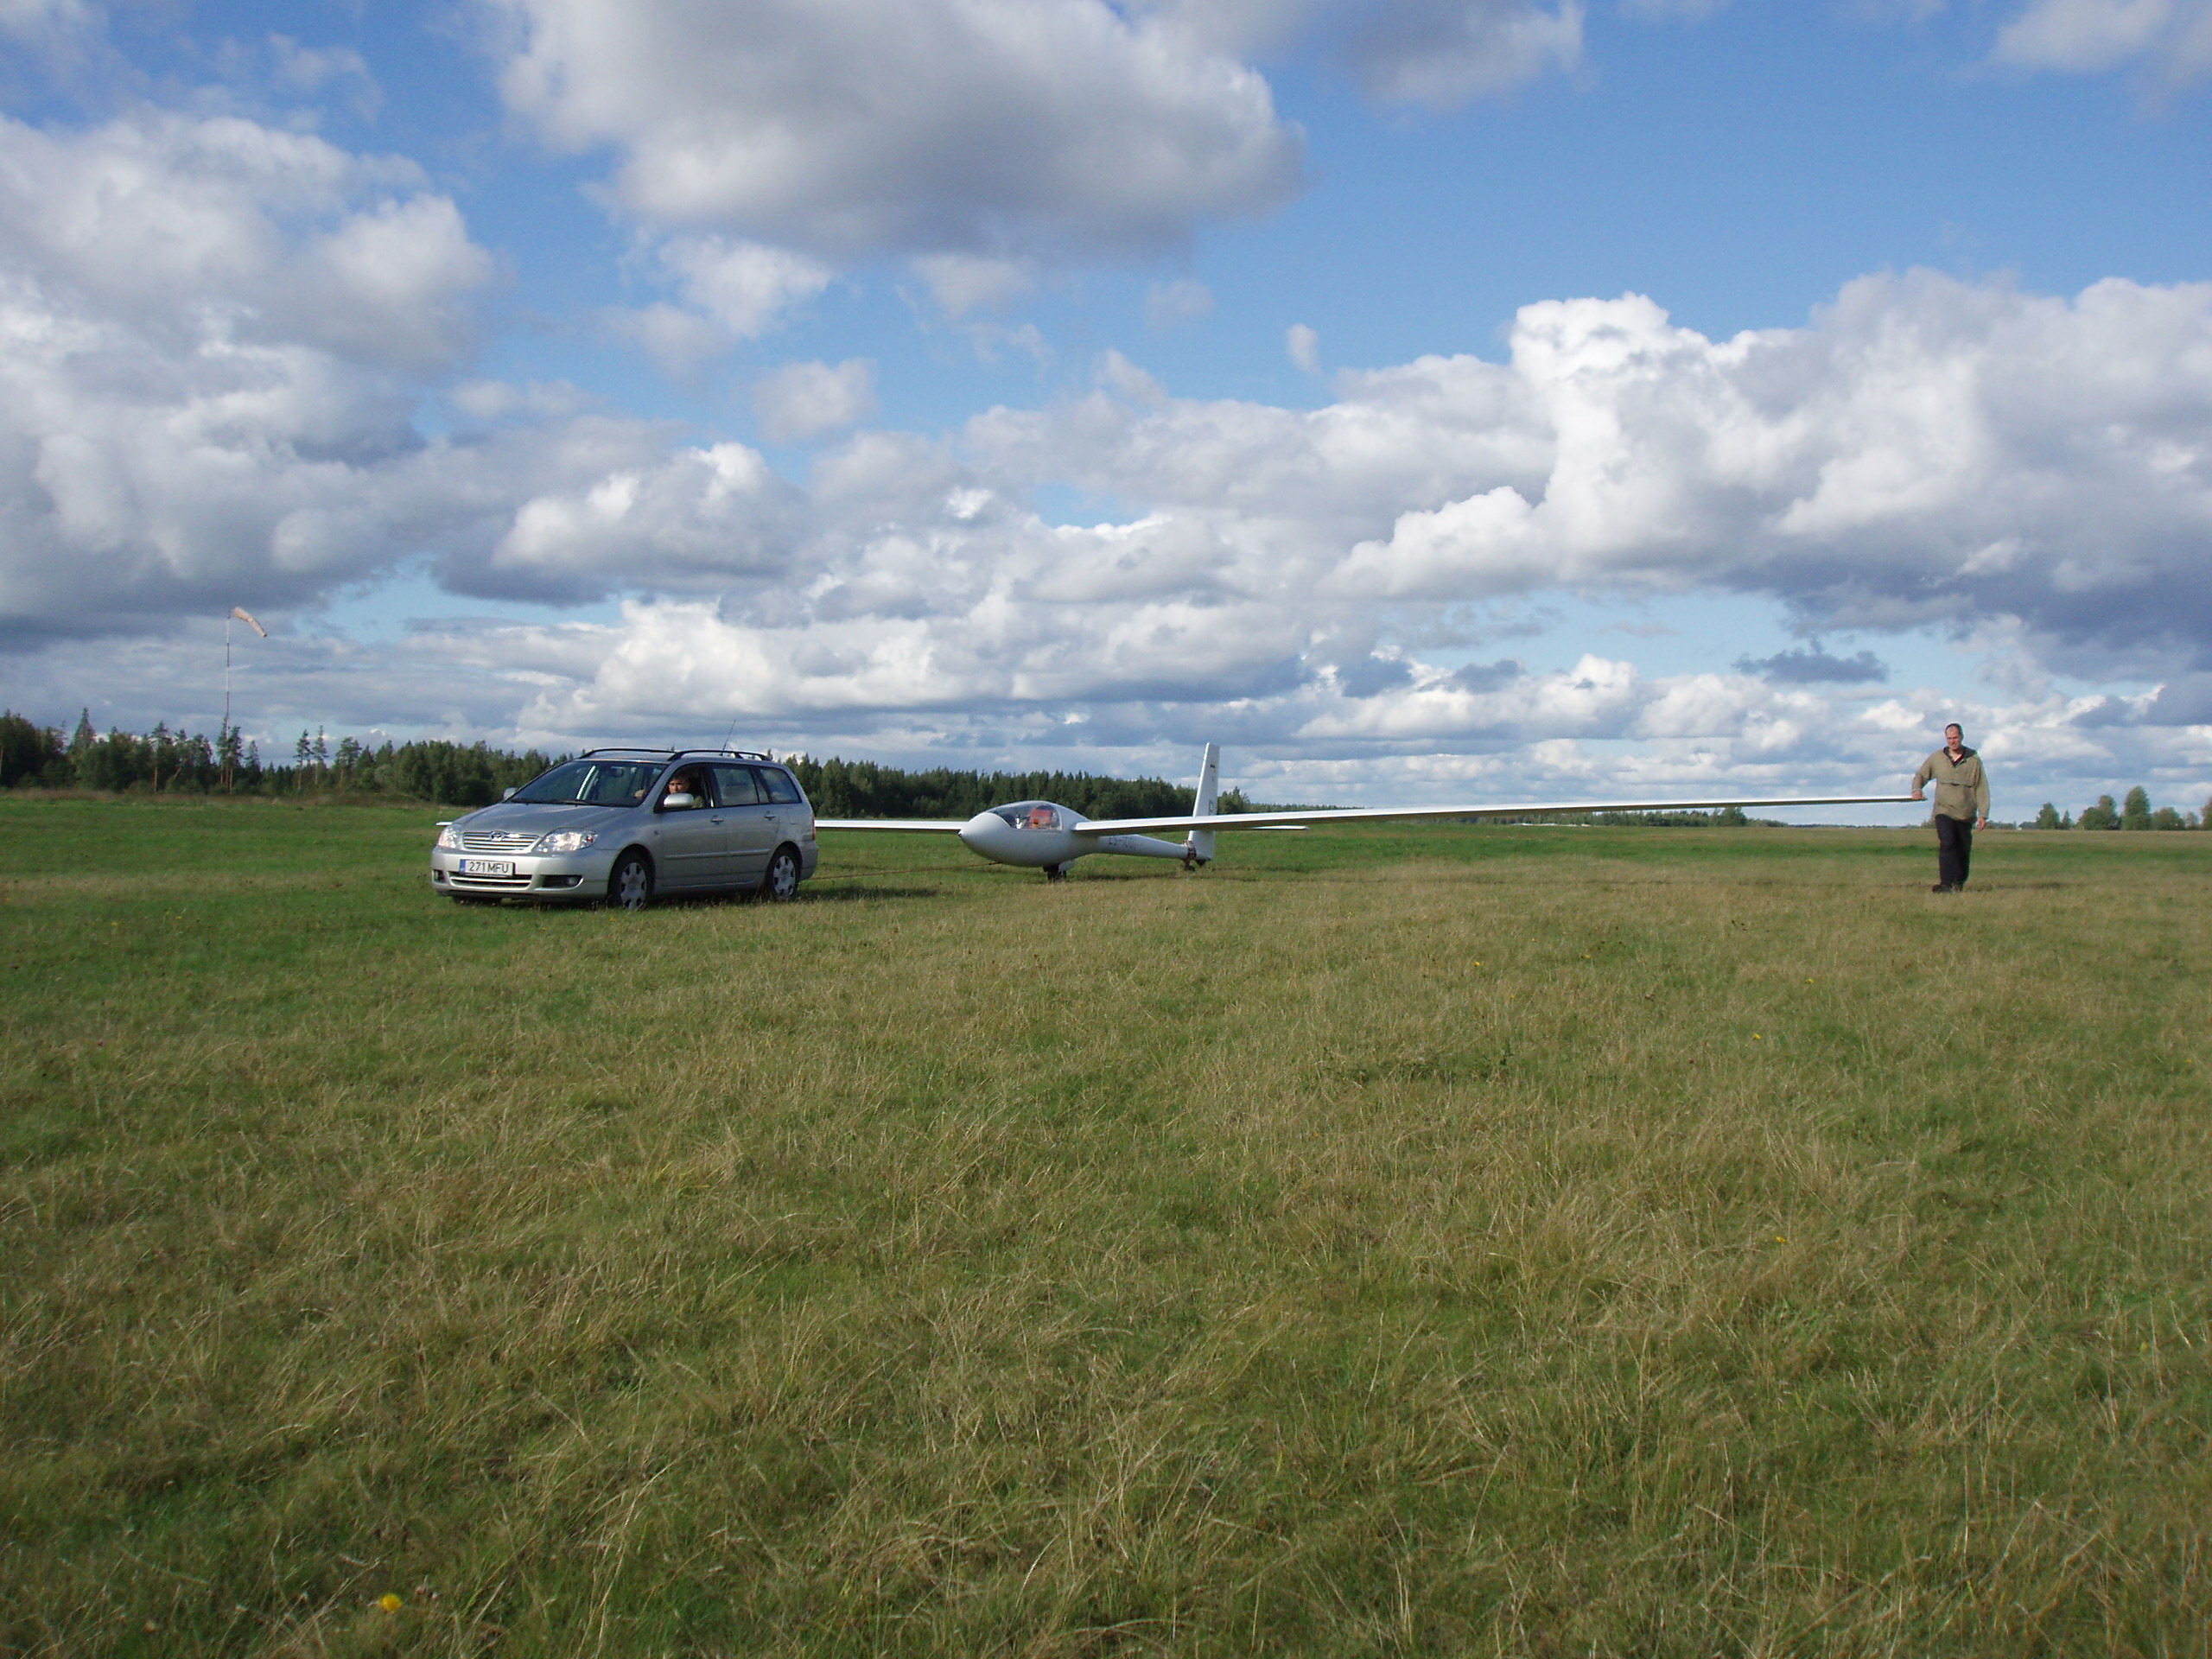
1046,835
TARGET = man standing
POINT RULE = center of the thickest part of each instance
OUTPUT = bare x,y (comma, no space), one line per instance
1961,805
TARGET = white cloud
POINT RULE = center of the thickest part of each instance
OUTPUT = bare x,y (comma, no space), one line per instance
2172,39
743,286
1304,346
960,283
1437,52
1169,305
803,401
53,25
181,431
310,69
1002,129
1693,10
210,334
733,290
1855,469
679,341
703,517
1444,53
186,226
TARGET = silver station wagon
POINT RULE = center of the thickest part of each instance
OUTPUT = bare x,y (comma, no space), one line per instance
624,824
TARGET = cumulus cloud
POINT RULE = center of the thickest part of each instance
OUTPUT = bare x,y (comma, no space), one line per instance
1929,450
1304,345
703,517
1444,53
1001,128
309,70
2172,39
733,290
743,286
1440,53
181,429
212,335
802,401
1926,451
961,283
1169,305
59,28
1812,665
984,143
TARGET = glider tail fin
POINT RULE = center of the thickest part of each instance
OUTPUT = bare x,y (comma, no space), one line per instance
1197,844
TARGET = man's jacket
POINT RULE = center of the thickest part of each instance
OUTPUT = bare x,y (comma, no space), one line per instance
1961,789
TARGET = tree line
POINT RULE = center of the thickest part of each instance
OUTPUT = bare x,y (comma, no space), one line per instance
178,762
475,774
862,789
2135,812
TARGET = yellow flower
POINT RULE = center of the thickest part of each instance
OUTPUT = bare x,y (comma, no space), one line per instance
389,1602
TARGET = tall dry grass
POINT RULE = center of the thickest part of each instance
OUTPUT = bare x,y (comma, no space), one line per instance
1519,1242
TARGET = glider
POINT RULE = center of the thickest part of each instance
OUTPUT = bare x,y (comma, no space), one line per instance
1046,835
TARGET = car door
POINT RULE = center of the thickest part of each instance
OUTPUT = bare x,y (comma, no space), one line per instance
695,840
753,828
786,806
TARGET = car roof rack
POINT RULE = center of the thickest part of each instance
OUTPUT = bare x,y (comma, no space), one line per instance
634,748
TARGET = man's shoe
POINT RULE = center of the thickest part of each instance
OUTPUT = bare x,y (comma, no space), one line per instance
1941,887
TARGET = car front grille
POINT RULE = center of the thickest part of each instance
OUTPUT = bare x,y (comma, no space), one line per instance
496,841
490,883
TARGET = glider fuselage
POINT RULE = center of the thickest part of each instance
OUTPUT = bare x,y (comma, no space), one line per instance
1042,836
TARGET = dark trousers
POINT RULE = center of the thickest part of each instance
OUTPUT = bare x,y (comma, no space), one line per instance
1953,850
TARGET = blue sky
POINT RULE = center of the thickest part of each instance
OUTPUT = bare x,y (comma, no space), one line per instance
1428,398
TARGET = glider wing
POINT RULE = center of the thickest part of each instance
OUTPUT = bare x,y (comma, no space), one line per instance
933,826
1514,810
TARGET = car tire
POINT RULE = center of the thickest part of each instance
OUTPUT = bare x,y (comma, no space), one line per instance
780,884
630,886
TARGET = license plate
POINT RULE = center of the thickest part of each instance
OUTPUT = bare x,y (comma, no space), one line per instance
487,867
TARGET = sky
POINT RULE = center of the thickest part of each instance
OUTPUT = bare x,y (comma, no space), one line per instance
1428,400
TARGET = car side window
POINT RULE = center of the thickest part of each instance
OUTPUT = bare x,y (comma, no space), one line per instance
735,786
693,781
781,789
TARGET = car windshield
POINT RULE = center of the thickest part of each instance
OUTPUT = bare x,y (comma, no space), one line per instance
592,783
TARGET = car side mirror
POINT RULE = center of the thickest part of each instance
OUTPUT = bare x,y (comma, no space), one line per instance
677,802
506,794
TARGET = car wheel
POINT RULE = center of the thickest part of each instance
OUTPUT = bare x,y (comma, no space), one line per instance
630,886
782,880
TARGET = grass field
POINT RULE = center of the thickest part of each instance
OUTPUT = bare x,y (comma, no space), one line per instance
1519,1241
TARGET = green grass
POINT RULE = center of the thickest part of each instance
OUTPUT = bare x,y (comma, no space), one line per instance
1521,1241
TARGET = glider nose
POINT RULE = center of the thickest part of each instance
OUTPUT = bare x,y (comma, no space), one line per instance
981,832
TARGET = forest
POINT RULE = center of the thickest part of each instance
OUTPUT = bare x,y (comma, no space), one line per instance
445,774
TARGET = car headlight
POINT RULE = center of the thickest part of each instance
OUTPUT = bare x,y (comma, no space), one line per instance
564,840
449,837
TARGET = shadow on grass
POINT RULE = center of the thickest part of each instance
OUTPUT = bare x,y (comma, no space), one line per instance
860,888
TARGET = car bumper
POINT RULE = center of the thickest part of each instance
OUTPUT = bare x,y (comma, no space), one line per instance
551,879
